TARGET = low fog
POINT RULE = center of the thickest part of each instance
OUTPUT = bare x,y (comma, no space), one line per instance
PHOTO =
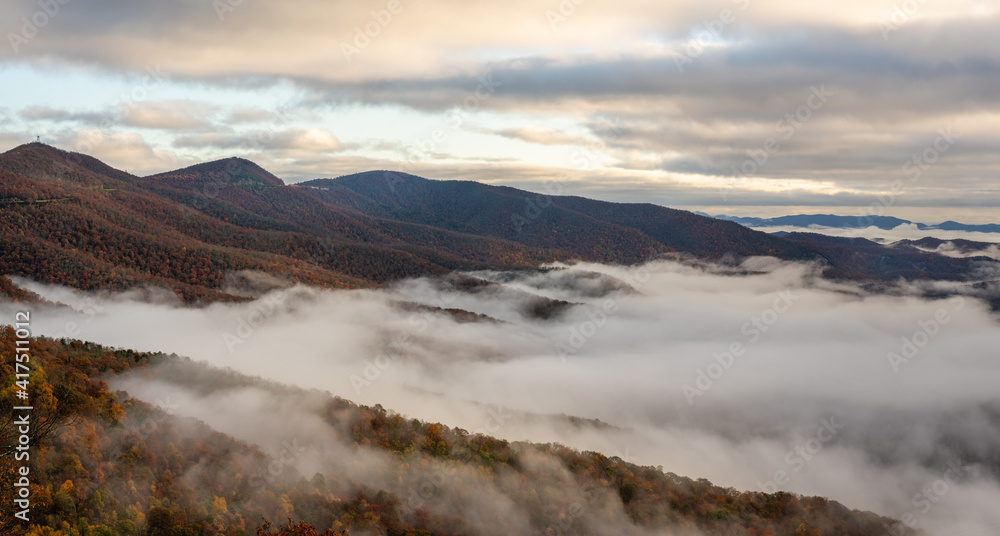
906,231
760,376
949,249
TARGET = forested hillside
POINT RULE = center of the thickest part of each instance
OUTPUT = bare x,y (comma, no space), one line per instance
611,232
69,219
239,191
111,465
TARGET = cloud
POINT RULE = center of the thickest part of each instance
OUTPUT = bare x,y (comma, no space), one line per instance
15,138
250,114
45,113
311,140
906,231
543,136
296,38
166,115
804,384
949,249
127,151
697,89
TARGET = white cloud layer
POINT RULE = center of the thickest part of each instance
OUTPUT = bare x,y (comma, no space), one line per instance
906,231
771,380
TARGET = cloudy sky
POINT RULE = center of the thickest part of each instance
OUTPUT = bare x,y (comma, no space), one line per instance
738,106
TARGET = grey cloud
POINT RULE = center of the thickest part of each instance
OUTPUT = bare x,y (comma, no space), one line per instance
888,101
12,138
250,114
542,136
45,113
751,81
167,115
264,139
891,94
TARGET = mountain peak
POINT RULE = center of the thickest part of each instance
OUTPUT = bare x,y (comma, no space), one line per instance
384,179
45,162
36,149
32,145
230,170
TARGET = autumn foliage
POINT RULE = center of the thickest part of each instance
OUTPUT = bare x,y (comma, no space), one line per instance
116,466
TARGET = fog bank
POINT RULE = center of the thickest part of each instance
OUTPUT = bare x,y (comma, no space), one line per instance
759,376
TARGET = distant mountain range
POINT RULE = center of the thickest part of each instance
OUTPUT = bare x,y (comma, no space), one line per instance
855,222
69,219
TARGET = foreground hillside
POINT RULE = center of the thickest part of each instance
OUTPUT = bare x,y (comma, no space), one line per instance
113,465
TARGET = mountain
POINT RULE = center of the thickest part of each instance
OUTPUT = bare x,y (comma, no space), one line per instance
235,190
611,232
856,222
960,246
70,219
955,226
594,230
865,256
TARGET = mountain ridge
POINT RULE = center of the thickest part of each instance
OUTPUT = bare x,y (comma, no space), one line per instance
71,219
885,223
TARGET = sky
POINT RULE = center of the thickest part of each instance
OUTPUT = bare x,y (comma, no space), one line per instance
745,106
